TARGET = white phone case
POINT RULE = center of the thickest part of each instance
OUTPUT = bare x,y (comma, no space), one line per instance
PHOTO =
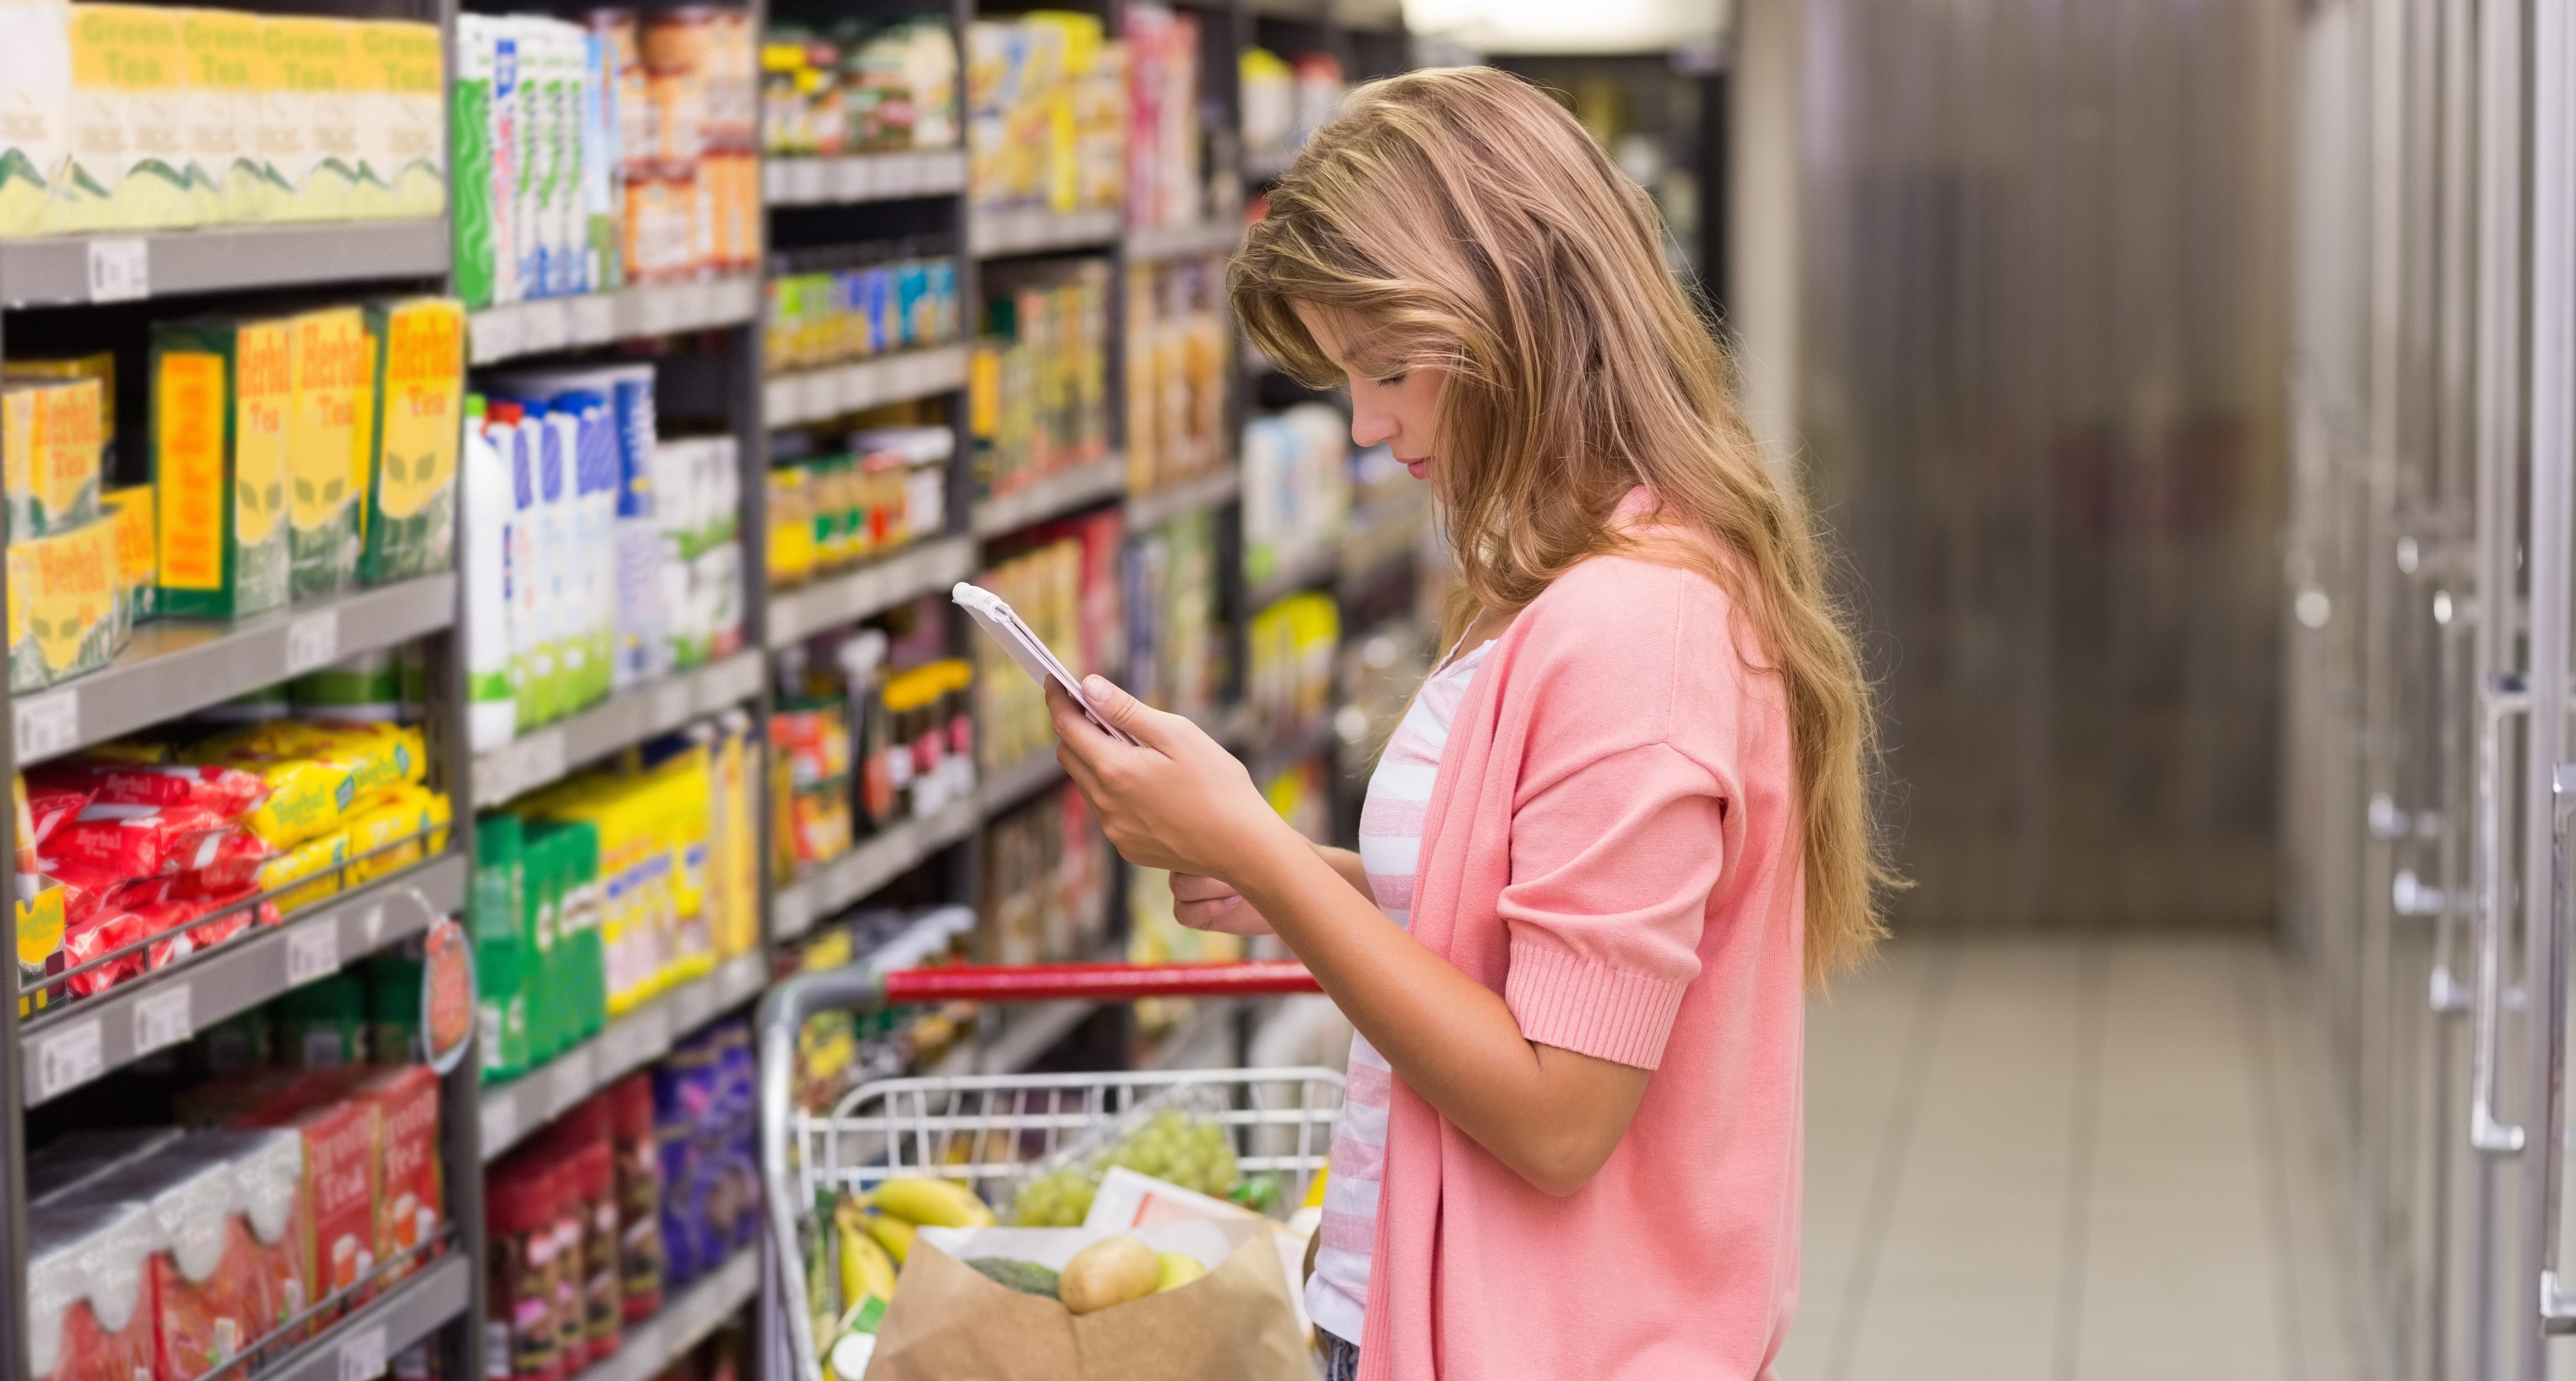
1026,648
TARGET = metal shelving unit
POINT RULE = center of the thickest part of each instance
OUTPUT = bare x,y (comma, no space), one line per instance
864,870
510,1111
1189,496
1056,496
850,179
851,595
818,395
686,1318
644,310
995,234
75,270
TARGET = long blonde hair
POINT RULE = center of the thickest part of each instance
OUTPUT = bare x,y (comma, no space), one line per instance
1461,220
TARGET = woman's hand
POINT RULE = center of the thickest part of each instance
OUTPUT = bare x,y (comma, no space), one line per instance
1206,903
1175,799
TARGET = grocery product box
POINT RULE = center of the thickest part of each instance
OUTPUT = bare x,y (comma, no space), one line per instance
401,134
418,429
138,557
222,393
65,605
35,111
310,96
340,1189
87,1284
409,1198
219,105
49,454
332,366
128,129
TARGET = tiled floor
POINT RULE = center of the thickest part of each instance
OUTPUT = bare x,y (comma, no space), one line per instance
2069,1161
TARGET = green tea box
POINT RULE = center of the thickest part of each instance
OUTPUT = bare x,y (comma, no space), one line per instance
35,111
221,395
129,145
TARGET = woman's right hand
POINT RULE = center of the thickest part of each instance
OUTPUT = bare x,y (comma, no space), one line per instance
1204,903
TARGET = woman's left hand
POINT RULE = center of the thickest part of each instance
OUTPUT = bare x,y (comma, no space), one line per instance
1175,799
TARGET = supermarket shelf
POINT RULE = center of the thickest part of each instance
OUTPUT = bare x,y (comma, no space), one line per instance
74,1044
1033,1031
1183,241
1317,568
818,395
685,1320
1272,756
1053,497
511,1111
849,596
990,234
647,309
1188,496
1267,167
628,717
72,269
847,179
175,666
999,791
855,875
356,1348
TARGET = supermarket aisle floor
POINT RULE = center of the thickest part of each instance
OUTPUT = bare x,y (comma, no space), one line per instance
2069,1161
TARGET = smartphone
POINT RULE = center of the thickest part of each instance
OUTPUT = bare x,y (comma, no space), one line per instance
1026,647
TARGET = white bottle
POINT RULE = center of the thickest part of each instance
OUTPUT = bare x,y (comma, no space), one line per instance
557,556
492,707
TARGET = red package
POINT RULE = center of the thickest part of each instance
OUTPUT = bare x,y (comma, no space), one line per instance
407,1178
88,1292
50,806
236,864
341,1154
138,841
102,931
268,1173
227,791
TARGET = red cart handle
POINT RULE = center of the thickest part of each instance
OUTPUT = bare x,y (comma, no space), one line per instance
1097,982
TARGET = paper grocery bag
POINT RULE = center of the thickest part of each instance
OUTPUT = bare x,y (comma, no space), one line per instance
950,1323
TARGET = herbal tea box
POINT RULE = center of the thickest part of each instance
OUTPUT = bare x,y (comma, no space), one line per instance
221,394
419,420
332,365
49,453
35,110
64,613
138,556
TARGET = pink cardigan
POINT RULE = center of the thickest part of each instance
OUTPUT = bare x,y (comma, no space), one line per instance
1610,845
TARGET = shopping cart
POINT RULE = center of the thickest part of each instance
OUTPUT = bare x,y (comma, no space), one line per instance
992,1130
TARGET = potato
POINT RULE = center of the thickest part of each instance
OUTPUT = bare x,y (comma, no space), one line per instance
1108,1272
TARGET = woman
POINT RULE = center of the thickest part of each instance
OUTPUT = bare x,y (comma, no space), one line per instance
1624,818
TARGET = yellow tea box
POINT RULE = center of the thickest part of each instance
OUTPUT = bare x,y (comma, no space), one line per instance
129,147
49,449
311,70
220,104
402,123
101,366
419,428
331,366
138,554
221,394
63,586
35,110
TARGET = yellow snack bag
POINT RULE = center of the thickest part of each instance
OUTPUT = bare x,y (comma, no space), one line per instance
306,799
398,817
318,859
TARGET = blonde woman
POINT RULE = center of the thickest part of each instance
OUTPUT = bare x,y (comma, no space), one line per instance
1622,827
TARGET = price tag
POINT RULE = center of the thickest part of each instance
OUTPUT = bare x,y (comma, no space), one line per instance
162,1018
362,1354
791,913
635,1039
48,725
732,300
540,760
312,641
70,1058
692,1005
373,923
120,270
594,319
659,311
312,951
500,1121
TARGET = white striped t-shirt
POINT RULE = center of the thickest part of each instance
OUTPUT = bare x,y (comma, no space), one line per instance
1390,845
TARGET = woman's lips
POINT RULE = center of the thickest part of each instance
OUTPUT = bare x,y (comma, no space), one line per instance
1419,469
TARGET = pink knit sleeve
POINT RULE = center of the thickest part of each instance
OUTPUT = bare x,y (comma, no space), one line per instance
1612,866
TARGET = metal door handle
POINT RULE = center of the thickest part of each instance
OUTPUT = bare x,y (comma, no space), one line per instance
2547,982
2506,695
2503,696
